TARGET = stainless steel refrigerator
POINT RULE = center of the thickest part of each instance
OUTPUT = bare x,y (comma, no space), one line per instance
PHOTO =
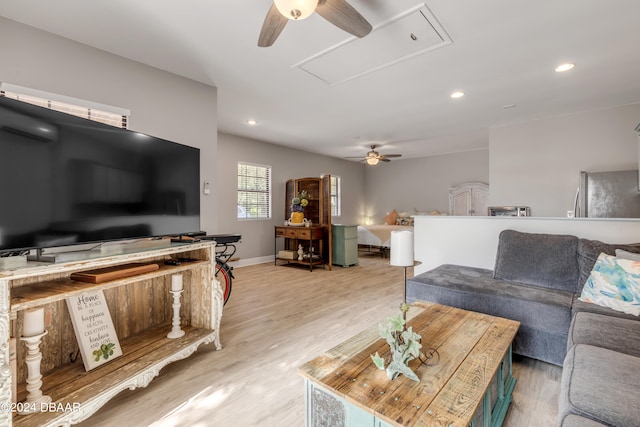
608,195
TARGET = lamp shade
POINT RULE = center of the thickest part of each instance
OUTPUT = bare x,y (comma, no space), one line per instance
372,161
402,248
296,9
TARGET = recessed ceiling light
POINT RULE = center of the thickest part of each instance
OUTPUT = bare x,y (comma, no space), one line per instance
251,122
457,94
564,67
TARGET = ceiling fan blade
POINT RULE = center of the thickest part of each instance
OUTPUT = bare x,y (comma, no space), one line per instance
273,25
353,157
383,159
391,155
344,16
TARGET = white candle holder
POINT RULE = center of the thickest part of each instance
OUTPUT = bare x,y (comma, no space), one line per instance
34,378
176,332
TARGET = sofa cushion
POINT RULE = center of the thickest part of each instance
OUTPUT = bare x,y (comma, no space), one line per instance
602,385
547,260
613,333
615,283
588,252
544,314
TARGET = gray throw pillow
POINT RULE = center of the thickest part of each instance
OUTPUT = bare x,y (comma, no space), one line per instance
620,253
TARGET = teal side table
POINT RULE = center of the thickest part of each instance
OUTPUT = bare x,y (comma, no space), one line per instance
344,244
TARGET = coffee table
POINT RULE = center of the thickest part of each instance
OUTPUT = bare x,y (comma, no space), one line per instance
471,385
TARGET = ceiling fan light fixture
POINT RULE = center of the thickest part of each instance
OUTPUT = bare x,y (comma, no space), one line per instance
564,67
296,9
372,161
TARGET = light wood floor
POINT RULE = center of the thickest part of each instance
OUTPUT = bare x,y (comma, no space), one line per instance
278,318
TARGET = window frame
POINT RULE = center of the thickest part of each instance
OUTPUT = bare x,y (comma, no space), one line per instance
268,192
337,197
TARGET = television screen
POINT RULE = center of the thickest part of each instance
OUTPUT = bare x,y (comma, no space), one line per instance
66,180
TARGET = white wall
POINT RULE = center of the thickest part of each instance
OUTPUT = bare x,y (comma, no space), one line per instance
258,235
538,164
161,104
422,183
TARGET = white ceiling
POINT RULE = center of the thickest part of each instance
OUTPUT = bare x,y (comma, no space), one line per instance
502,52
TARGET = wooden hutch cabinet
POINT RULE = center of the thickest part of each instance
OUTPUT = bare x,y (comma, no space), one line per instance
318,211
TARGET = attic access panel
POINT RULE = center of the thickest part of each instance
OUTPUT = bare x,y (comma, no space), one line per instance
412,33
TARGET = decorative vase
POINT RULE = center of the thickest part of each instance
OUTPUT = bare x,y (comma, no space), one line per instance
297,217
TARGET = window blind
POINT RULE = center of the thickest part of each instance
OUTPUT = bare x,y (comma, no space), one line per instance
254,191
113,116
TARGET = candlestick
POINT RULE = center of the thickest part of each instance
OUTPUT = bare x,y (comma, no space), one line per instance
35,398
402,256
176,332
176,282
33,323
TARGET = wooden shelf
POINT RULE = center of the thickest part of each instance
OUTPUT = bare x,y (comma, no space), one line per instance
144,355
33,295
141,309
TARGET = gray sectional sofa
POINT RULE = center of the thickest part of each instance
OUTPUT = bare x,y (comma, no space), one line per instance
537,280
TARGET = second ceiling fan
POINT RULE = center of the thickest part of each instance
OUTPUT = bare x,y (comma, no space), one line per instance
373,157
338,12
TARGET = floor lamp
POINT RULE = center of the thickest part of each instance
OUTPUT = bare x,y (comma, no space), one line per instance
402,256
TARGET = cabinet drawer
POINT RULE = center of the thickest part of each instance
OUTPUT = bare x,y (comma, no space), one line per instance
304,234
350,233
280,232
290,233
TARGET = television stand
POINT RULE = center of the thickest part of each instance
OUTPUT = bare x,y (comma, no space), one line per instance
141,308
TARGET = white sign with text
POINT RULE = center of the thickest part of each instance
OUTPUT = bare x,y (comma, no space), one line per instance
94,329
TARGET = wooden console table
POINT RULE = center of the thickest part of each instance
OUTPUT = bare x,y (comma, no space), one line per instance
471,385
307,236
141,310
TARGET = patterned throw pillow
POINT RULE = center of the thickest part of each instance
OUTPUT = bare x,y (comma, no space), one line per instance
614,283
404,220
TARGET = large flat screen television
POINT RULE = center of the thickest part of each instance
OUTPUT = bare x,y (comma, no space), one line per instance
66,180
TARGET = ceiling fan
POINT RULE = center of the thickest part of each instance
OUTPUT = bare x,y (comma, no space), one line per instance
338,12
373,157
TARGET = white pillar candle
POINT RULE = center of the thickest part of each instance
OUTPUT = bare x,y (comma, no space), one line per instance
33,323
402,248
176,282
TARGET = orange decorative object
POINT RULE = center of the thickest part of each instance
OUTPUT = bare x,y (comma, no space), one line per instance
297,217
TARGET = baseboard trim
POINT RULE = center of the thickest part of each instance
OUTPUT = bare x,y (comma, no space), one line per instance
252,261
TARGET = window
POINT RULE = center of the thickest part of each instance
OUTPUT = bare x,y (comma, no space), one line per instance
113,116
335,195
254,191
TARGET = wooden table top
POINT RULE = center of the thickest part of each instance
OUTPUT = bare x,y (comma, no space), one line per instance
471,346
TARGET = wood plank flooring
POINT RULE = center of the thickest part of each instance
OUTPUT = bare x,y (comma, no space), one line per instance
277,319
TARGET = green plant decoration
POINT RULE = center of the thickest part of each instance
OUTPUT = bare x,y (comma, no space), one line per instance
104,351
405,346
